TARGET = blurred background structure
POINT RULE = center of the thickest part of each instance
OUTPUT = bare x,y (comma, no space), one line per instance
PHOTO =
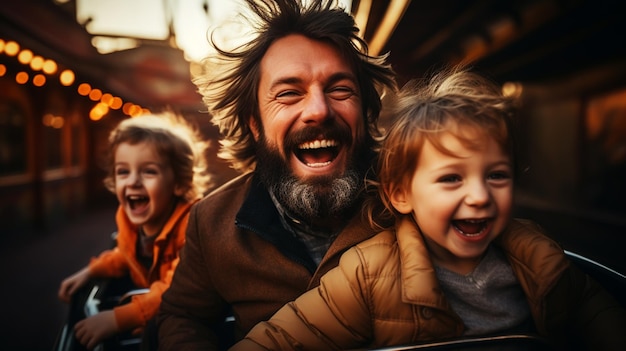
70,70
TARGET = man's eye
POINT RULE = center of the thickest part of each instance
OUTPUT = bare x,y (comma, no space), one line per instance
287,94
341,93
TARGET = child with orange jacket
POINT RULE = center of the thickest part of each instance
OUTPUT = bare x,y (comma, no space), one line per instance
157,172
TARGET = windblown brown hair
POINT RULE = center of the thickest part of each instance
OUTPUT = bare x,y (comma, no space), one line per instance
455,100
230,80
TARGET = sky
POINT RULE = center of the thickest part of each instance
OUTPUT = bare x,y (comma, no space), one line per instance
148,19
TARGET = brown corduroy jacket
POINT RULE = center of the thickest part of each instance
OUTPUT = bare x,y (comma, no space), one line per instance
238,256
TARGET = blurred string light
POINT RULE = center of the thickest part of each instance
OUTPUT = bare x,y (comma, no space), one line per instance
53,121
512,89
39,80
41,68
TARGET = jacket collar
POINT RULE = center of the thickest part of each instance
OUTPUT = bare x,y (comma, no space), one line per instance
419,281
537,260
259,215
180,210
536,265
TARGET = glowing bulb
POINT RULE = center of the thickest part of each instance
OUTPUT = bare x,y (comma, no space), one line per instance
49,66
11,48
39,80
67,78
25,56
95,94
107,98
36,63
84,89
21,77
116,104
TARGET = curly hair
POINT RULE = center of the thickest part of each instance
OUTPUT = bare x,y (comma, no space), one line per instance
175,139
455,100
230,79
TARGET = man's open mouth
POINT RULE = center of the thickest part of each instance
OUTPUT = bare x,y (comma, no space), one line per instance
317,153
136,201
471,227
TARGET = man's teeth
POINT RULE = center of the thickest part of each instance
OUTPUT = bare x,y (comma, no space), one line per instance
319,164
318,144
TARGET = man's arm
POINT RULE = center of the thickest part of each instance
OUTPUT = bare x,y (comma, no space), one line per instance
191,306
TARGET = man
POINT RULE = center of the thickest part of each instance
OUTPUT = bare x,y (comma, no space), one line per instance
298,108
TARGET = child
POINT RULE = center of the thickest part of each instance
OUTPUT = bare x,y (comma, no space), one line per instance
156,170
454,263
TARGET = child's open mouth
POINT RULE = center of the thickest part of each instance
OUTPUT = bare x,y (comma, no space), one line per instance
470,227
137,201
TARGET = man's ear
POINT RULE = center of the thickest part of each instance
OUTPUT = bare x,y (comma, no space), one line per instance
400,200
254,128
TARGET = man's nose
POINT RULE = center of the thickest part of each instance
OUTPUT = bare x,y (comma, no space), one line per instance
316,107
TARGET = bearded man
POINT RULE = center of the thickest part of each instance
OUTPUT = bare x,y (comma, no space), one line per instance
298,108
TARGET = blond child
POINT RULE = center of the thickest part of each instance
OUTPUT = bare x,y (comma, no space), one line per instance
454,262
157,170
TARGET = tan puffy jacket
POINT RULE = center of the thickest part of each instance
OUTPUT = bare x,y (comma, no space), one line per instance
385,292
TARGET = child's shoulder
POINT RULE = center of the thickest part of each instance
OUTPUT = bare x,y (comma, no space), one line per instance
527,244
525,232
376,253
385,239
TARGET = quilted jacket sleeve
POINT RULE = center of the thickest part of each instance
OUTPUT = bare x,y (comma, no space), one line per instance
333,316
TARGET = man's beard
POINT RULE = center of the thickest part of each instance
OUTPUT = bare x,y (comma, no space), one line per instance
315,198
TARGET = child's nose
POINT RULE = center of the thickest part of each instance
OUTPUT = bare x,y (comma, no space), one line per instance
477,194
134,179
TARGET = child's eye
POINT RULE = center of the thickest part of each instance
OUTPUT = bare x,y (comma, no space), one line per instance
499,175
450,178
150,171
121,171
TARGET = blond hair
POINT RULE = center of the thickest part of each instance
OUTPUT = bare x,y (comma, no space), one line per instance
175,139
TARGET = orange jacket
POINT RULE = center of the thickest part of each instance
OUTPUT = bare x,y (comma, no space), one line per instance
122,260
